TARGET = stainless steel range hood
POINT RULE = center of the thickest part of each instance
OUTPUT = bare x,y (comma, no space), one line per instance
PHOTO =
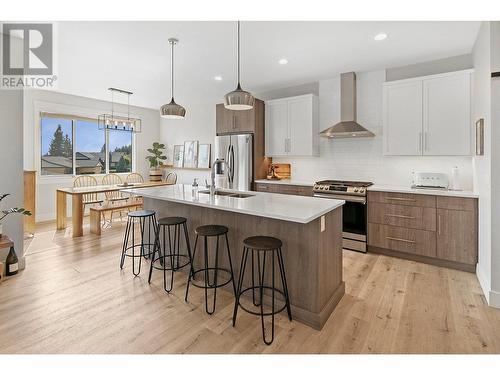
347,127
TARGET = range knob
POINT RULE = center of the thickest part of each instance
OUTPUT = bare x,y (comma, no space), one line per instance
356,190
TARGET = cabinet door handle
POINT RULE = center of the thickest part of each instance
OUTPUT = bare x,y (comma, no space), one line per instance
401,199
439,224
425,141
400,216
420,141
399,239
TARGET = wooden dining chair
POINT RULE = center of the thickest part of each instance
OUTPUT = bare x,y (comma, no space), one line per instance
87,181
113,197
135,178
171,178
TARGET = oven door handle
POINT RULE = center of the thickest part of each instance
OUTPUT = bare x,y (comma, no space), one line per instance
347,198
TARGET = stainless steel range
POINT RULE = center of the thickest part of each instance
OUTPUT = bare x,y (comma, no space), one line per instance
354,211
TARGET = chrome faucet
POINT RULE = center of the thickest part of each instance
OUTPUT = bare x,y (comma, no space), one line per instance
217,161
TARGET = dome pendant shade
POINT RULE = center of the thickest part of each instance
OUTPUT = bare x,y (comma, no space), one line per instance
239,100
172,110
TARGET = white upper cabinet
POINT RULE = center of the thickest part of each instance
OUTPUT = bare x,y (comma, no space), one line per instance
292,126
428,115
447,119
403,118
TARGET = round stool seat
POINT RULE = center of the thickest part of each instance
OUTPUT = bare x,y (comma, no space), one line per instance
172,220
262,243
141,213
211,230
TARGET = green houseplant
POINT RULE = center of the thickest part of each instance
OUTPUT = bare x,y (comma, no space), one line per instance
14,210
156,160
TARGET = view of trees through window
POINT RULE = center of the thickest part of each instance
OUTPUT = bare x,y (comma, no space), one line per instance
76,146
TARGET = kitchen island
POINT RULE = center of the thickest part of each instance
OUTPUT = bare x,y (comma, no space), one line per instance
310,229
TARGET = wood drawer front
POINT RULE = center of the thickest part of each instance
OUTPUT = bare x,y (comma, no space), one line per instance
305,191
262,187
404,199
457,203
402,216
413,241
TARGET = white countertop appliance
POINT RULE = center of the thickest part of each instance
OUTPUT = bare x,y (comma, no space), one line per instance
430,180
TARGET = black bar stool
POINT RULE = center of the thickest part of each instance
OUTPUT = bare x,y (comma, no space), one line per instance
171,261
262,246
207,231
145,218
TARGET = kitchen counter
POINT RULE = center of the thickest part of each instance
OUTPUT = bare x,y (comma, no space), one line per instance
309,228
292,208
286,182
407,189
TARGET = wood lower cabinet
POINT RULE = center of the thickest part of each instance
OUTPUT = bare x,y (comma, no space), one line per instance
433,229
284,189
457,236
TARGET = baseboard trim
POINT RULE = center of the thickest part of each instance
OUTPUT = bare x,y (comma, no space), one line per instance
423,259
483,283
494,299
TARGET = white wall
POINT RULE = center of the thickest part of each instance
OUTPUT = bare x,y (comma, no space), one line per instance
198,125
362,159
34,100
482,164
495,163
11,167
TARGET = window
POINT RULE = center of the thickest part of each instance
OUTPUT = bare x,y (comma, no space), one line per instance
120,151
75,145
57,146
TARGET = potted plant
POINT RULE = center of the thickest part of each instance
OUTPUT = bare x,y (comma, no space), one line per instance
155,161
15,210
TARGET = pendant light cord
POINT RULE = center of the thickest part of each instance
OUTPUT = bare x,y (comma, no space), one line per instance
238,52
172,43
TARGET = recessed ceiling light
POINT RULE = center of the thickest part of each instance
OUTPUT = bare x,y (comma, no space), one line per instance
380,36
218,78
283,61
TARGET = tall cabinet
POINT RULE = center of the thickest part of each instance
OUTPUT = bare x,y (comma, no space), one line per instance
247,121
428,115
292,126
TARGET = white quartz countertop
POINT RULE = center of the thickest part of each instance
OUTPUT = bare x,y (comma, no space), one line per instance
293,208
286,182
408,189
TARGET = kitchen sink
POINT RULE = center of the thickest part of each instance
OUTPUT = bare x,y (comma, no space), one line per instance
227,194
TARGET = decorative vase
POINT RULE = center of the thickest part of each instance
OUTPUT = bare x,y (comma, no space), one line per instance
155,174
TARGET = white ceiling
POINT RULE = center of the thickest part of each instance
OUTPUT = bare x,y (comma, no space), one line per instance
93,56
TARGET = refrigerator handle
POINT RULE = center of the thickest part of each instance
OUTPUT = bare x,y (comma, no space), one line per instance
231,164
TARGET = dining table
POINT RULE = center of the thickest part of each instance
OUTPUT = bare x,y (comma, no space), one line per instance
77,209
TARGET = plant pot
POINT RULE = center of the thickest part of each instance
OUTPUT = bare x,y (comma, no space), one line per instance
155,174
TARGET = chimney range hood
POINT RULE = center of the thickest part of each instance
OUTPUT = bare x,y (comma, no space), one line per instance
347,127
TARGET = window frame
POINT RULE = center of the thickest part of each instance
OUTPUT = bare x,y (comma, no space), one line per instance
71,113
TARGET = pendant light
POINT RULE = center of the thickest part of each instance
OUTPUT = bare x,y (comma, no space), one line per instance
239,99
172,110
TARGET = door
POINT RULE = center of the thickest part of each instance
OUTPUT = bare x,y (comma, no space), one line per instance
240,160
457,236
224,120
221,152
300,115
446,115
402,109
276,128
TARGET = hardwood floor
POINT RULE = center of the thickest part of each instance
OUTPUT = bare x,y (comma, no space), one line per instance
73,298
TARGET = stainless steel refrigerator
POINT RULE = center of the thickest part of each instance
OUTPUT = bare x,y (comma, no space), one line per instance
237,151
